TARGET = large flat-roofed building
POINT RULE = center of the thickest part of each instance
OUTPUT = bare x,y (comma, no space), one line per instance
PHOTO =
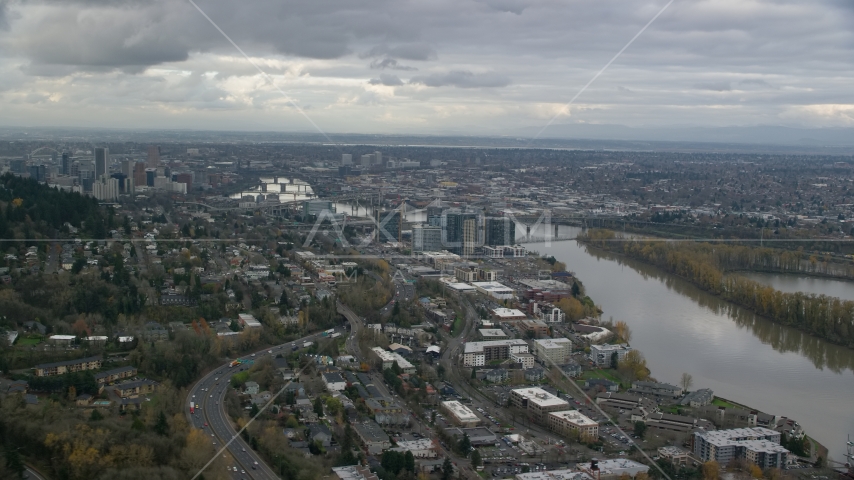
354,472
553,350
421,448
554,475
68,366
386,359
656,389
460,414
478,436
758,445
615,468
537,402
602,354
372,436
568,421
494,290
478,354
490,334
503,314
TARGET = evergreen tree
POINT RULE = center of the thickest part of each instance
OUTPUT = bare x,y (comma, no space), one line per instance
475,459
162,426
447,469
318,406
409,461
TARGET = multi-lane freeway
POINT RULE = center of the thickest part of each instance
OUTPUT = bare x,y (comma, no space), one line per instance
208,397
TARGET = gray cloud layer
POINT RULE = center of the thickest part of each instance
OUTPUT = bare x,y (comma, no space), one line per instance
497,64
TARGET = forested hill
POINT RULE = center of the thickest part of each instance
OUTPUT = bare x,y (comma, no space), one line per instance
29,209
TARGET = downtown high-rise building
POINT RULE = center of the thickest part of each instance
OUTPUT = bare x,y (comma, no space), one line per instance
426,238
153,156
65,167
462,231
499,231
102,161
346,159
389,225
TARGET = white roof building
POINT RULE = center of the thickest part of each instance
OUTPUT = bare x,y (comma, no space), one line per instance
461,414
554,475
494,290
422,448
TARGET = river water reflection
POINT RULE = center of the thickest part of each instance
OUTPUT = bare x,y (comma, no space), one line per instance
796,283
740,356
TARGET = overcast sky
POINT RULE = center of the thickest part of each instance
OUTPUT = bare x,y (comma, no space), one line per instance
429,66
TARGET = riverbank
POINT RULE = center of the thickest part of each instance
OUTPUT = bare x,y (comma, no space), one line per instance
828,318
736,353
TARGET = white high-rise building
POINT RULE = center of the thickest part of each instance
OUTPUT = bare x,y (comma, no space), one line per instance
106,189
346,159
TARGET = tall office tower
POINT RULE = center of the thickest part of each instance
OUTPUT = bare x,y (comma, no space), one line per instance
66,163
75,169
346,159
452,229
139,177
102,166
500,231
127,167
389,225
426,238
461,231
367,159
153,156
18,165
378,158
434,216
38,172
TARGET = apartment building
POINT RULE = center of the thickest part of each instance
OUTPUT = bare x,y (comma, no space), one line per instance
601,354
758,445
116,374
568,421
68,366
553,350
478,354
537,402
534,327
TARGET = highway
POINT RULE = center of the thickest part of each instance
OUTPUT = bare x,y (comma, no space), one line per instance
208,395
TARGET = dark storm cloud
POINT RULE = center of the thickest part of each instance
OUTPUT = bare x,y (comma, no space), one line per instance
386,79
462,79
389,63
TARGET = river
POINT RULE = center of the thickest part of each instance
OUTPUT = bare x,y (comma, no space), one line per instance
740,356
797,283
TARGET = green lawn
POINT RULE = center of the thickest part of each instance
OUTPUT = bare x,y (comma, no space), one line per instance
457,326
599,373
26,341
722,403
